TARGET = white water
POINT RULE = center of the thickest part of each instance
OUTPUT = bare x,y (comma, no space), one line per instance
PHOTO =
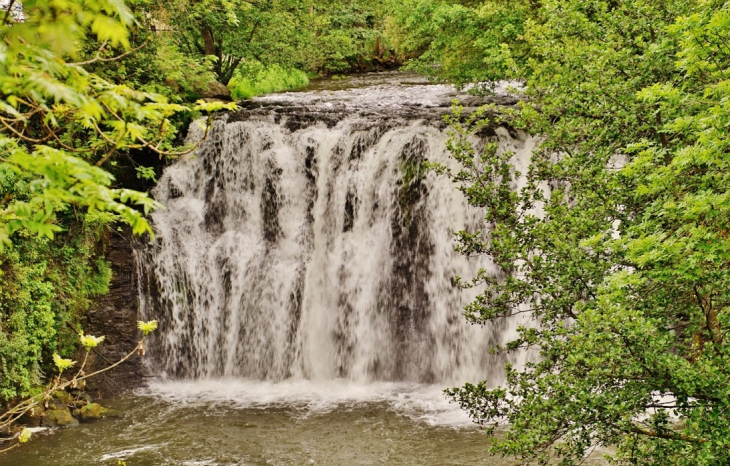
419,402
299,262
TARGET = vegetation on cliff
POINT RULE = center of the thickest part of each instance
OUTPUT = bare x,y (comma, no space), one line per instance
63,120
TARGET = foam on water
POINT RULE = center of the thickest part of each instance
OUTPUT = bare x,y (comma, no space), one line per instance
423,403
127,453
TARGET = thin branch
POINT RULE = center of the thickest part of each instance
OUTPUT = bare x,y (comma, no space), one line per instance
667,435
118,57
107,156
5,19
21,135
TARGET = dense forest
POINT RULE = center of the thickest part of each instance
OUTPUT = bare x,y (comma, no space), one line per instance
617,247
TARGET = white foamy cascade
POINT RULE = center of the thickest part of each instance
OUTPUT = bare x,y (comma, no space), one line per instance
305,241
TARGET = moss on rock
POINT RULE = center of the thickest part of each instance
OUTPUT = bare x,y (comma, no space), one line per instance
92,412
59,417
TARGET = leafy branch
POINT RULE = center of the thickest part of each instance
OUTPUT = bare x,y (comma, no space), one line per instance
10,417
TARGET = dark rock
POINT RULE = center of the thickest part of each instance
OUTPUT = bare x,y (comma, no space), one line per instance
92,412
33,417
62,397
82,400
115,316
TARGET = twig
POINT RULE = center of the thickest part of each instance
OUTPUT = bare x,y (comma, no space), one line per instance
7,12
118,57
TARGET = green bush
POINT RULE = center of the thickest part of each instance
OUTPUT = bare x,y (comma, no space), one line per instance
45,287
251,82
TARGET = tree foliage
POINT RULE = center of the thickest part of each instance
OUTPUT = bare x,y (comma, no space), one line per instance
345,35
232,31
60,122
462,41
617,244
320,36
67,110
155,64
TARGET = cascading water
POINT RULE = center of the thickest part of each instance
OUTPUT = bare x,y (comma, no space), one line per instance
301,276
305,240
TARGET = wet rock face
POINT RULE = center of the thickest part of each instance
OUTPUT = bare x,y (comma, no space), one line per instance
115,316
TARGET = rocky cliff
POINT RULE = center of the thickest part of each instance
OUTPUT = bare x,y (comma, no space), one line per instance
115,316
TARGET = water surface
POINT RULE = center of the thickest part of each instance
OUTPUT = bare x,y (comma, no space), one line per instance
258,423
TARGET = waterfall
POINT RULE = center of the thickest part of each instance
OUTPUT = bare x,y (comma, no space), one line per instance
304,239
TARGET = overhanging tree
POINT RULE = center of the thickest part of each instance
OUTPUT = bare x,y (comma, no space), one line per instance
60,125
624,264
462,41
234,32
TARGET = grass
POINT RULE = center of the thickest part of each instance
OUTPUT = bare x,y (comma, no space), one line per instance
271,79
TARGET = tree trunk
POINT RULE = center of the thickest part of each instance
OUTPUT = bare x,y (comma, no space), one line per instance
210,48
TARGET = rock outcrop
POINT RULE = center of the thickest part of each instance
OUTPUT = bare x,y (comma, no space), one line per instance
216,91
115,316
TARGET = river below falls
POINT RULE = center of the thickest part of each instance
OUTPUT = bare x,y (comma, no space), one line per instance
258,423
217,423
